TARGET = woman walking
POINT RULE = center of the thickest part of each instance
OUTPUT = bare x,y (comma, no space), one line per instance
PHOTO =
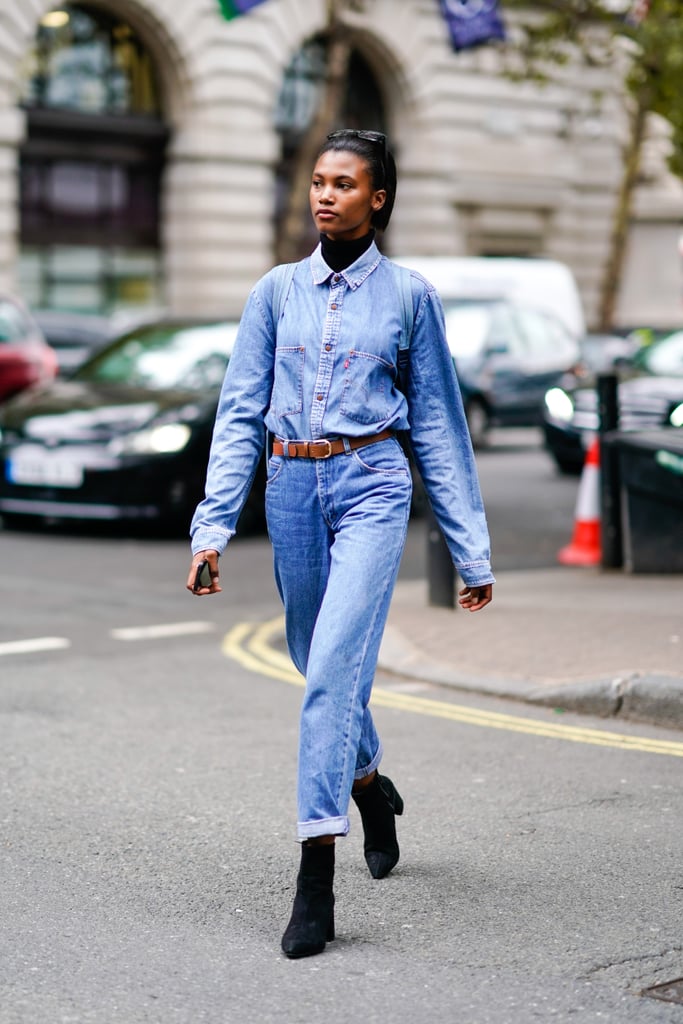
316,365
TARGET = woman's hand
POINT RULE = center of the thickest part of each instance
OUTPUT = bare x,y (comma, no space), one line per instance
212,558
473,599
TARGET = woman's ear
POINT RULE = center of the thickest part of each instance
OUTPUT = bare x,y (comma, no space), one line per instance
379,199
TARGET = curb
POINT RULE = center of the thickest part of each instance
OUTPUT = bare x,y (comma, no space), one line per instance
656,699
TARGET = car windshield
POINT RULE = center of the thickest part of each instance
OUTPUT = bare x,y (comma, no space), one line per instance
470,326
13,326
190,357
467,327
664,358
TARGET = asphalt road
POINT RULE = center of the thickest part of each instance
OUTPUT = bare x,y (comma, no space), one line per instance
146,820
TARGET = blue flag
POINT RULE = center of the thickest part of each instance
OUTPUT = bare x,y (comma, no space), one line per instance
233,8
472,22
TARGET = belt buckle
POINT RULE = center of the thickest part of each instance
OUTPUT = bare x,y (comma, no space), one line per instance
327,454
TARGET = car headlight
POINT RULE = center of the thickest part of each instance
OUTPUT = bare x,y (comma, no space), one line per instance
559,404
161,440
676,417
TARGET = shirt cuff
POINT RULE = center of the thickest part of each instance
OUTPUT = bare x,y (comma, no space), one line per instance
206,539
476,574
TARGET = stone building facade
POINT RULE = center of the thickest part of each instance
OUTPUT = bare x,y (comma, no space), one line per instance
486,166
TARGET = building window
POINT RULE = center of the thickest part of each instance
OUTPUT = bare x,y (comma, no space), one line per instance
91,166
88,60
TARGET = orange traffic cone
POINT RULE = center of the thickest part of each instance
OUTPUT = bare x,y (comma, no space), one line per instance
585,547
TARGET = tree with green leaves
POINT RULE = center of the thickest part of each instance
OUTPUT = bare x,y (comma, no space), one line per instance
645,37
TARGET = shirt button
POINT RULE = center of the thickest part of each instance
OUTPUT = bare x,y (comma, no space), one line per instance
336,278
327,348
333,306
320,398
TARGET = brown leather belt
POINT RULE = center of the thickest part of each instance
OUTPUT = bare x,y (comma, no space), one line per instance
323,449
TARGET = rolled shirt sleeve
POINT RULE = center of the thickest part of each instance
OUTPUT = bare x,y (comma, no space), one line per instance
239,431
441,444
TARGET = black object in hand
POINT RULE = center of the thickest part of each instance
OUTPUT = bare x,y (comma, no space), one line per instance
203,577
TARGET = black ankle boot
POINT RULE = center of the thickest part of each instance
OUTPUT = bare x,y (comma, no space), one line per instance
312,922
378,804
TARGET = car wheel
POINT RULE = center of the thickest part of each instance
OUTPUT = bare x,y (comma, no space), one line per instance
478,421
14,521
567,466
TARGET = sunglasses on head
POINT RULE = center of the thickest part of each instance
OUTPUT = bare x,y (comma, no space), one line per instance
379,138
356,133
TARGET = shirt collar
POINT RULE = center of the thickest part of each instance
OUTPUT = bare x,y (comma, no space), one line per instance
353,275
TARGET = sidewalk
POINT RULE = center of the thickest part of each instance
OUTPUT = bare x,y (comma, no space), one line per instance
589,640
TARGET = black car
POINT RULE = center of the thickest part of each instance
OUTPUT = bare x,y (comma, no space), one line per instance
74,336
507,356
604,353
650,395
126,437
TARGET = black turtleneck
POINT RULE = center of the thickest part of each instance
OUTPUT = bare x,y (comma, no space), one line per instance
341,254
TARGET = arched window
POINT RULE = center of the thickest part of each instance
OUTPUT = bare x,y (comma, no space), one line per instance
302,86
90,166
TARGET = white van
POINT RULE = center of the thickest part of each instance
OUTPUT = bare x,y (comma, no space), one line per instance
513,327
546,285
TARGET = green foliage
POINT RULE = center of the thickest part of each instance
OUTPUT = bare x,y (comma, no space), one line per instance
546,33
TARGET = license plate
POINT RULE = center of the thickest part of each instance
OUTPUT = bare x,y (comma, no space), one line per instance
35,467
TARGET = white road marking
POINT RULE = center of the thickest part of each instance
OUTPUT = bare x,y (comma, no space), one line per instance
39,643
163,630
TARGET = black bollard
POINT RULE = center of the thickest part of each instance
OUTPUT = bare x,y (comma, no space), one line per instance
610,484
440,568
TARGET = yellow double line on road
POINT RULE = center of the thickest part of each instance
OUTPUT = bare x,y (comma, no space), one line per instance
252,646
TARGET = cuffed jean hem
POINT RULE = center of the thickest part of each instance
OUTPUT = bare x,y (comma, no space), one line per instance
368,769
323,827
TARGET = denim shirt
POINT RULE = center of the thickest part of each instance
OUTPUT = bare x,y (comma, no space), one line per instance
329,370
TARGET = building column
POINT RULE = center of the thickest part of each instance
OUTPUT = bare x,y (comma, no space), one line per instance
216,224
11,134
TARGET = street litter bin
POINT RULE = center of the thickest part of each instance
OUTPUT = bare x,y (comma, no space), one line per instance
651,490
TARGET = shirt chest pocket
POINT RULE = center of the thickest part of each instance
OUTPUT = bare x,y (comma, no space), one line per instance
287,398
368,381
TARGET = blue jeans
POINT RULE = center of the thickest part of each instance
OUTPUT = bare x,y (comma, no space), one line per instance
338,529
